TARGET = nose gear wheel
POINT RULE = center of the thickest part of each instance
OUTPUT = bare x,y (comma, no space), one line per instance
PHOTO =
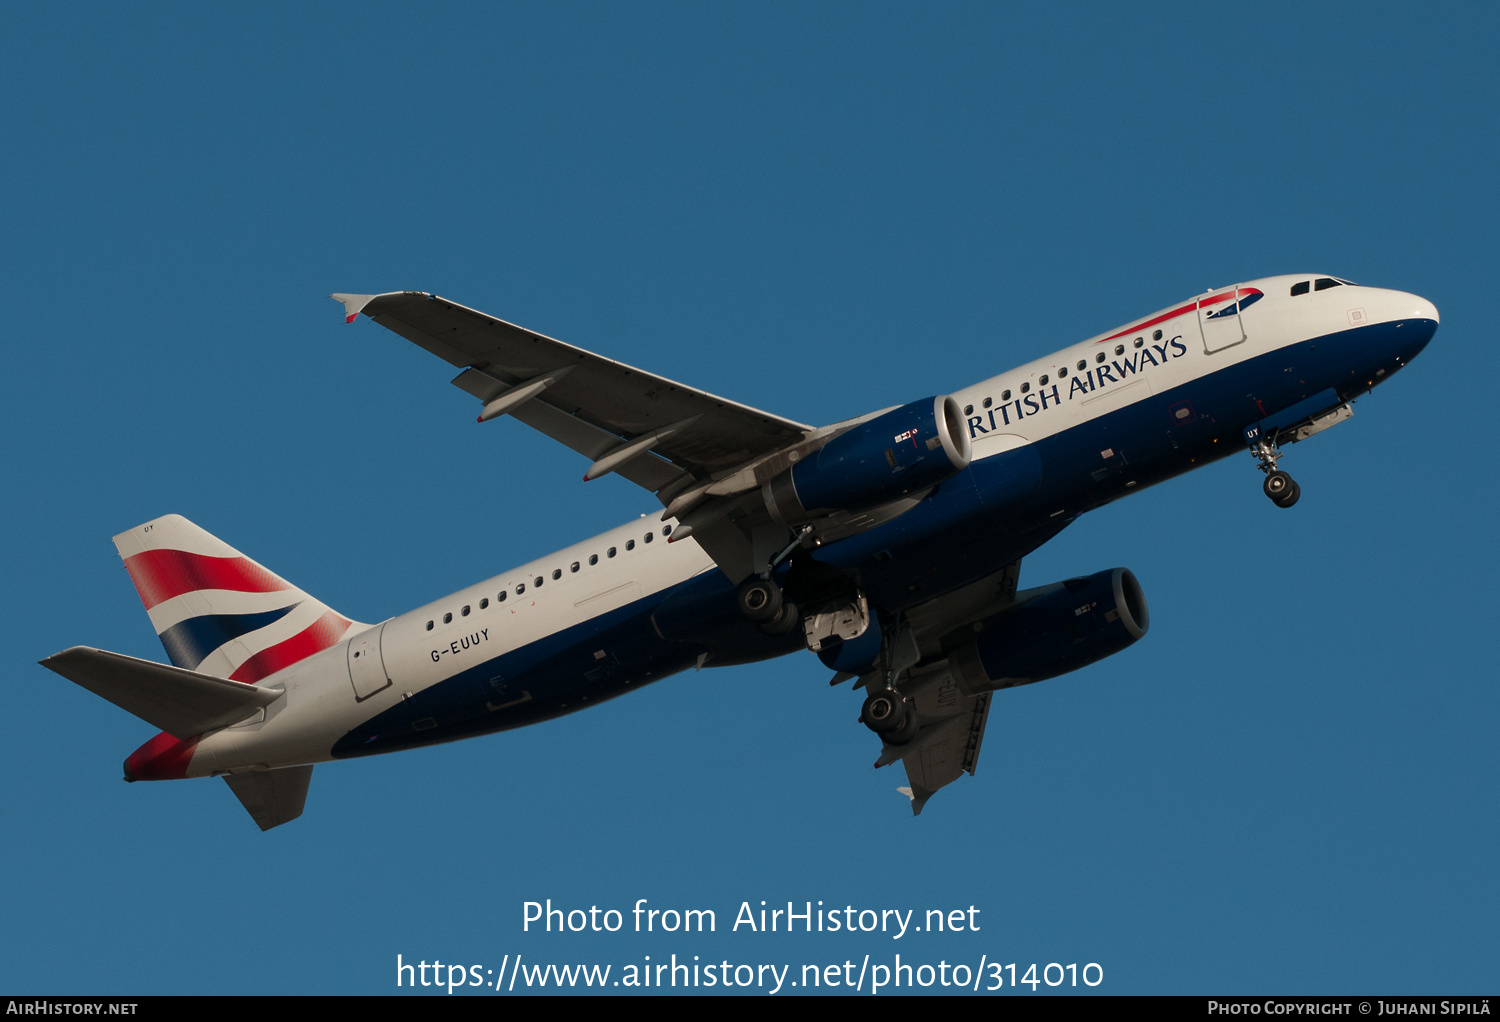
1280,487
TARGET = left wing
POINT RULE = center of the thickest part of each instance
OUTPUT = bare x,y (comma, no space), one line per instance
950,718
949,754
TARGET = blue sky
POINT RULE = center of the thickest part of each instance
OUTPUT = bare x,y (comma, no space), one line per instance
1288,786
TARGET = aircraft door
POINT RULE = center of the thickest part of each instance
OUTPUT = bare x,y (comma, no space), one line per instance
367,664
1219,319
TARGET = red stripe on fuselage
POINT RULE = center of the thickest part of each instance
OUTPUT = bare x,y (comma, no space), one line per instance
163,758
1181,310
160,575
315,638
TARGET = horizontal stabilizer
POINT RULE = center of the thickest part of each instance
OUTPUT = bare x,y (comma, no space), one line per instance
272,797
181,703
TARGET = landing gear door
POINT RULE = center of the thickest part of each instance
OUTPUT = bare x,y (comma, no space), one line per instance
366,664
1219,318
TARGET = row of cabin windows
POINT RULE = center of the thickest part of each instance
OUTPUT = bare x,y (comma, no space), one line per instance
502,595
1321,284
1062,373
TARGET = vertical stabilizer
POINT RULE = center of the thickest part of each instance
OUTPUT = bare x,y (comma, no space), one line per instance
215,610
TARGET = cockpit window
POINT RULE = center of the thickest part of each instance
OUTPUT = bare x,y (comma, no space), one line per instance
1300,288
1324,283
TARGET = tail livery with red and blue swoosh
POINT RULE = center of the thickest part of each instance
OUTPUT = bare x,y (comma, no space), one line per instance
216,611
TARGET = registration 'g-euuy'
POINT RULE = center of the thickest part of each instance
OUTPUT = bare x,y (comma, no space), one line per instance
890,544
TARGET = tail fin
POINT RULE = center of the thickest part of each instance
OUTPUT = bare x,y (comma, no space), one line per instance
215,610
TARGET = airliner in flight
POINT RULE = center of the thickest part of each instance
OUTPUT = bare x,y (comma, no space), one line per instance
889,545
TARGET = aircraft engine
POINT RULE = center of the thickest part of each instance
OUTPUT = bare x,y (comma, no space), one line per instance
1060,628
879,461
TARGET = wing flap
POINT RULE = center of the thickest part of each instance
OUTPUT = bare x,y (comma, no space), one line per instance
949,754
648,471
181,703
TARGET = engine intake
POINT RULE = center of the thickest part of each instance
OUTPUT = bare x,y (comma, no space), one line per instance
878,461
1061,628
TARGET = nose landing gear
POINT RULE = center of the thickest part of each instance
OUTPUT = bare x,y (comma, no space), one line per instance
1280,487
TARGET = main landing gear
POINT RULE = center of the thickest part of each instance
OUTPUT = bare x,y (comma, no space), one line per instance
1280,487
761,601
886,713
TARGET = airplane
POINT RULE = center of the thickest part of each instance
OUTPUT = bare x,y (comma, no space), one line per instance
890,544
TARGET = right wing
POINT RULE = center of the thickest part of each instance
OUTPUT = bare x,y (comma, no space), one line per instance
592,404
703,456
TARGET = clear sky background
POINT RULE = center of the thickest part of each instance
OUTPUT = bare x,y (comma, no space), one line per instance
1288,786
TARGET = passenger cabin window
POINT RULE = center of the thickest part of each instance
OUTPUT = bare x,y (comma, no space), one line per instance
593,558
650,536
666,530
556,574
1156,336
1083,364
520,588
1044,380
537,581
1099,357
988,401
447,618
500,596
573,566
630,544
1062,374
1300,288
1025,387
610,552
429,626
1324,283
465,611
1119,349
1140,341
1005,396
484,603
968,409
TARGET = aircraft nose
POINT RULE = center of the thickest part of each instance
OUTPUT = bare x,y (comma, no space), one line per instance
1416,320
1421,308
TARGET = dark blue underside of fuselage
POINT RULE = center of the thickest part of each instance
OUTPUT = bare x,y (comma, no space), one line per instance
971,526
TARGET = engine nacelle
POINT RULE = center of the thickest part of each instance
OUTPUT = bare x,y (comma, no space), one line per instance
1061,628
879,461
